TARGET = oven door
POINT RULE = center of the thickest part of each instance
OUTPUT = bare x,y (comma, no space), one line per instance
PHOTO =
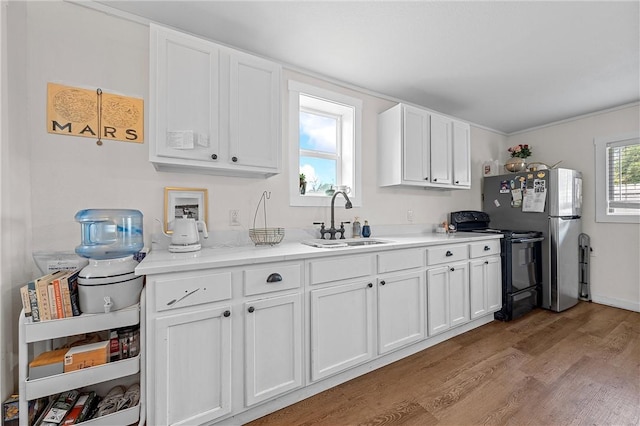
525,263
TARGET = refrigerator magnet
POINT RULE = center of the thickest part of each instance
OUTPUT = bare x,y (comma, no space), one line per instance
516,198
504,187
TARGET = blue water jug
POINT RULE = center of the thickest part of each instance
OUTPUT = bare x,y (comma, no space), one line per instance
109,233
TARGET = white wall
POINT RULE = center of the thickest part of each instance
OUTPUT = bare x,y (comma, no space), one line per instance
15,212
615,262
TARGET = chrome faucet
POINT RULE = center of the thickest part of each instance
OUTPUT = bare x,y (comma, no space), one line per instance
332,230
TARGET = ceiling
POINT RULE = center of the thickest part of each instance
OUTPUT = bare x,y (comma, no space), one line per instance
507,66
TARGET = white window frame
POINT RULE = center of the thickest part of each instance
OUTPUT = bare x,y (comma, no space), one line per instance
601,178
349,154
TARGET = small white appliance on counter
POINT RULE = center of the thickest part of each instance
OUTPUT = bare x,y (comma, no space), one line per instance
109,239
186,237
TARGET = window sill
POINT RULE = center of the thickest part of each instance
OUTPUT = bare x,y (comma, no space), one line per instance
321,201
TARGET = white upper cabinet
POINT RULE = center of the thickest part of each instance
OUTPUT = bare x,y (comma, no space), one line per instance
212,109
440,150
415,155
254,113
461,154
420,148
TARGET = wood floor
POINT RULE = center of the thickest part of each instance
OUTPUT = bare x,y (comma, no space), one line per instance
581,366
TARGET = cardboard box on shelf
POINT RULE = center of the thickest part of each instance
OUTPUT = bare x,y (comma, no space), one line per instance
47,363
10,411
86,356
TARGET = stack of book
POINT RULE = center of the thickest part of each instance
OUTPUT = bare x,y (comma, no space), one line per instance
68,408
53,296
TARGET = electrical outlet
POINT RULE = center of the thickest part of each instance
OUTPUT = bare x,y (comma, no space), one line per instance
234,217
409,215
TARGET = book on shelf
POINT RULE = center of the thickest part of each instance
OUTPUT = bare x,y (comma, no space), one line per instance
63,404
81,408
57,295
69,291
33,300
24,296
52,301
52,296
42,291
41,416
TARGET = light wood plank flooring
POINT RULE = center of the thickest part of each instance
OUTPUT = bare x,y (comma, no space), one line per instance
581,366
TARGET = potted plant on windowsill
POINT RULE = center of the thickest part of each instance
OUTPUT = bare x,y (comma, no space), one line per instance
303,184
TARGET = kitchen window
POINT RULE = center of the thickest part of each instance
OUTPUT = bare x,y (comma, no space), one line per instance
324,130
618,178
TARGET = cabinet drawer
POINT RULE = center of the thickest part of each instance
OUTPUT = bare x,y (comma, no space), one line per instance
274,277
400,260
336,269
192,289
444,254
484,248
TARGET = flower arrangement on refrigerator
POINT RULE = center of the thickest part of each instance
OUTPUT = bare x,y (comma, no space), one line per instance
520,151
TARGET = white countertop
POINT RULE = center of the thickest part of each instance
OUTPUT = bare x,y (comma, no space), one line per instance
160,261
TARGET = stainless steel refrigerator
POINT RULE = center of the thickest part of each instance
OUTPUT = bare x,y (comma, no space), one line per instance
549,201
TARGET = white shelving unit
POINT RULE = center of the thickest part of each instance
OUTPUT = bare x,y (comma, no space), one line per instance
33,332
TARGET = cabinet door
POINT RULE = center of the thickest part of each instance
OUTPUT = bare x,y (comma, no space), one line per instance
494,283
477,288
401,311
273,347
485,284
415,133
461,154
458,293
254,113
341,327
184,96
193,367
438,299
440,149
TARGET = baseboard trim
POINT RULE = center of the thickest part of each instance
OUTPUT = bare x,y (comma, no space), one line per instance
616,303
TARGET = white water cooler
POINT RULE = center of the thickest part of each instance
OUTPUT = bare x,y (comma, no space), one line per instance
109,239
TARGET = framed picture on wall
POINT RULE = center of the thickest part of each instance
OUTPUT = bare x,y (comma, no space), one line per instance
184,202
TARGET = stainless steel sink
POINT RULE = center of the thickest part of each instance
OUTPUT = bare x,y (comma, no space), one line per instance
347,242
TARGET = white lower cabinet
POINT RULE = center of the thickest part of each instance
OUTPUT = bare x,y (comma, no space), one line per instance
342,327
192,366
485,284
227,343
447,296
189,324
401,311
273,346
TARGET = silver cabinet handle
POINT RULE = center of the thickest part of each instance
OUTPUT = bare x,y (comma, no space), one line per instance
174,301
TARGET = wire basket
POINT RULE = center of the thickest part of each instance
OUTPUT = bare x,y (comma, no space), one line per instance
265,236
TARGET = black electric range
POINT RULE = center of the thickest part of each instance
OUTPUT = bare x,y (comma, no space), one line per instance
521,255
